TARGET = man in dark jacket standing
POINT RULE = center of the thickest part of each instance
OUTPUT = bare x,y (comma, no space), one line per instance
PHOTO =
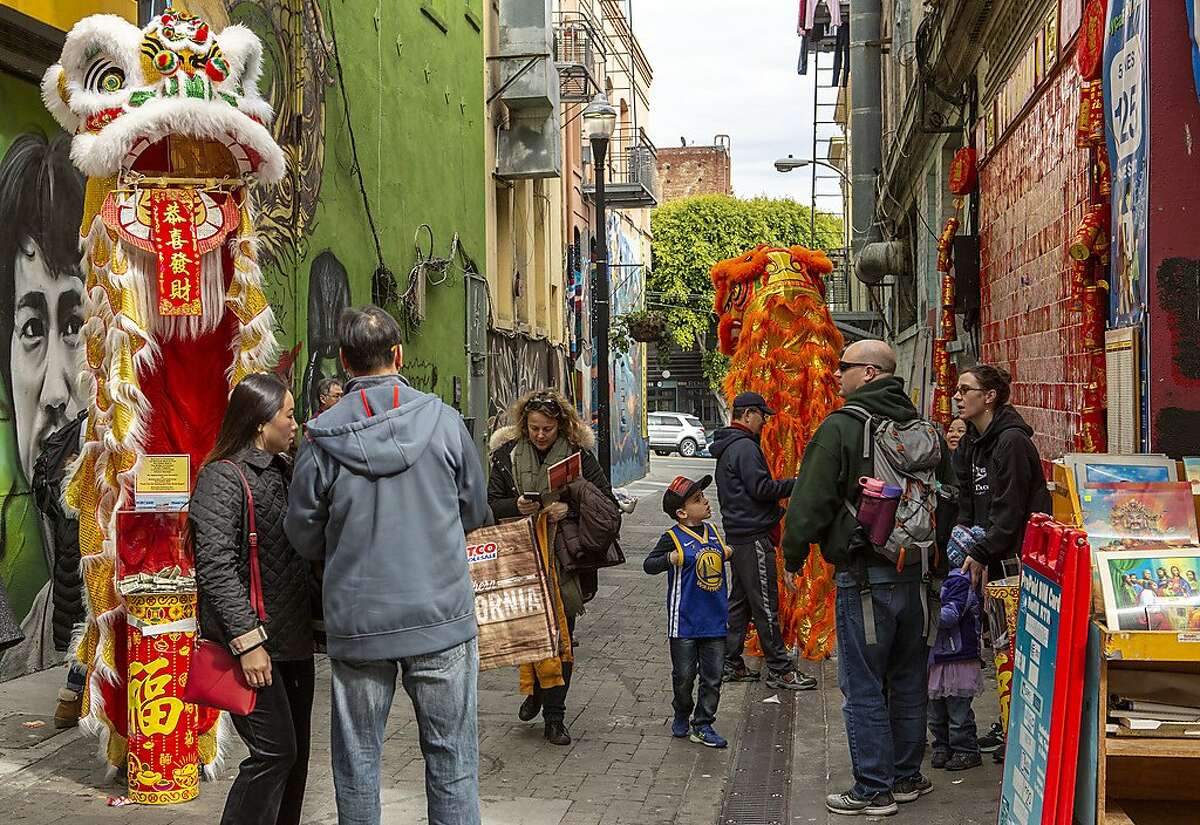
884,684
387,484
750,513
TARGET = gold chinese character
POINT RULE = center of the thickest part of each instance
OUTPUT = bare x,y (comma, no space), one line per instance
171,213
181,290
154,712
179,263
176,239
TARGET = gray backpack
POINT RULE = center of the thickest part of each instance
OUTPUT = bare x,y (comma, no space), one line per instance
906,456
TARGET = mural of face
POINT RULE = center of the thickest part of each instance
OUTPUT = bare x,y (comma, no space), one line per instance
43,360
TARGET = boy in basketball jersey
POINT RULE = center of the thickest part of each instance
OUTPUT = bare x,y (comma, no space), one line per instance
693,556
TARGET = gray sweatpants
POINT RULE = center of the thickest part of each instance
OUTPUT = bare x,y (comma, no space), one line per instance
755,595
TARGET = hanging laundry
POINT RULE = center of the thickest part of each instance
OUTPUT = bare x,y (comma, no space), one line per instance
841,57
802,66
808,14
801,28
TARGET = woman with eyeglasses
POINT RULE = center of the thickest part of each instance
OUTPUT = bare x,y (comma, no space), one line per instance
544,430
1000,477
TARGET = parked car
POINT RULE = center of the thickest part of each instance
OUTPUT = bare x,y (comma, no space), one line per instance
673,432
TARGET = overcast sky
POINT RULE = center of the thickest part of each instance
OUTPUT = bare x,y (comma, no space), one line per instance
724,67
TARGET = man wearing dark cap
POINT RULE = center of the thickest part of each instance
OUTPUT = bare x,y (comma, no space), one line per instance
750,513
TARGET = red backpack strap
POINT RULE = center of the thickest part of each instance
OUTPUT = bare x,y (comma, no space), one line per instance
256,594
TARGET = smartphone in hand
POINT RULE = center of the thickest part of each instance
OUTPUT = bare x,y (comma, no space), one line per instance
534,497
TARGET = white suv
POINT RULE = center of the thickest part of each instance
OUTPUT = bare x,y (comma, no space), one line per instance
672,432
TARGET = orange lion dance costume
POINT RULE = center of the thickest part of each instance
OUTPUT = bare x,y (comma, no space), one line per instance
776,327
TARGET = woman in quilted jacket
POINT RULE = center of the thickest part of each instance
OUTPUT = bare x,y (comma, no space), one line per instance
276,654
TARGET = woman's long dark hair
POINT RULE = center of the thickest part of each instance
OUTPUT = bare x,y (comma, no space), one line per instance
254,401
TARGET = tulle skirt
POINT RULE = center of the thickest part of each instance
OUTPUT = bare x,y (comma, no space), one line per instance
955,679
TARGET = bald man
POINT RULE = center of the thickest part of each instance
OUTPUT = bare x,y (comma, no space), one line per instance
884,683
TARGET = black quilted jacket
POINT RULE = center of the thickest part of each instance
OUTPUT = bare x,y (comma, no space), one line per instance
223,563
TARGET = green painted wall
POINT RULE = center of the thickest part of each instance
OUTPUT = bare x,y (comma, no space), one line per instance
413,75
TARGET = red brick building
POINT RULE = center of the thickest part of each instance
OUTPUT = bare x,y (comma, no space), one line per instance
695,170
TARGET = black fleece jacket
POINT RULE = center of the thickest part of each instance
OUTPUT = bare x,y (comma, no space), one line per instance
1001,484
748,495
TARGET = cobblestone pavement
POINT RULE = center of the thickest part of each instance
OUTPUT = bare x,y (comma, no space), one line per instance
623,766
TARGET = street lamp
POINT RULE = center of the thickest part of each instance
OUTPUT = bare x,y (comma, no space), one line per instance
788,164
599,123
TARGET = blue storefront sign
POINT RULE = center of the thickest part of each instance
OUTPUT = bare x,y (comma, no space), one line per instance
1126,101
1028,752
1195,35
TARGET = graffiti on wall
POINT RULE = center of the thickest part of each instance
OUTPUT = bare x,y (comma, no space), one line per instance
41,312
630,450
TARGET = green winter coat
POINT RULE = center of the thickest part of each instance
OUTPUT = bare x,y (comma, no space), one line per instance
829,475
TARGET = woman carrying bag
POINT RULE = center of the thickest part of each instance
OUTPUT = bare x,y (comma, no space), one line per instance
275,653
545,430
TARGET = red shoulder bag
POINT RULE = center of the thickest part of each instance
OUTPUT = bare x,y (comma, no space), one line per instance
215,678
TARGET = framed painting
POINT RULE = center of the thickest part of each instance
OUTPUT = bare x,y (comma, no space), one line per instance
1127,516
1152,590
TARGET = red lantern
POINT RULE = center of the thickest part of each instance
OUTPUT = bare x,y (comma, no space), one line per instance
1093,317
963,171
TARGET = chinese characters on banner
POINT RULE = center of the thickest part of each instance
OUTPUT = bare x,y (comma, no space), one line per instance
173,220
1126,77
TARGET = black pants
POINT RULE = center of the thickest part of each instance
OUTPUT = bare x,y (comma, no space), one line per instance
270,783
689,656
554,699
755,595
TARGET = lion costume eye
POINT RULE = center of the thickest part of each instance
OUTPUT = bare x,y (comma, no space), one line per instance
104,76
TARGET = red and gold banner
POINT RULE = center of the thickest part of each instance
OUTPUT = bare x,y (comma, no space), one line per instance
163,757
963,171
172,214
1089,55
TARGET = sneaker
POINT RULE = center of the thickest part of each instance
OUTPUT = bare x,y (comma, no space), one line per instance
66,714
964,761
741,673
680,727
939,758
908,790
851,804
993,740
790,680
709,738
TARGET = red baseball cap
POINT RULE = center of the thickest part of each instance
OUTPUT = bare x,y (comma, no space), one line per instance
681,489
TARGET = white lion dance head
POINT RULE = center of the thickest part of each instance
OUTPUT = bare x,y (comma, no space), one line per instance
171,131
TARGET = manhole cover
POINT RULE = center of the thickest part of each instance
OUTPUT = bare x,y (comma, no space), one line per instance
20,730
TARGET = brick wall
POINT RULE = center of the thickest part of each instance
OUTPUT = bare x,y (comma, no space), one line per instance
1033,193
694,170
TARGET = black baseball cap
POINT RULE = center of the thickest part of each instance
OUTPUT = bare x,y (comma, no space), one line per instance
681,489
752,400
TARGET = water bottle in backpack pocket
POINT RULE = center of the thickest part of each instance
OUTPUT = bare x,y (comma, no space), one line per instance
877,506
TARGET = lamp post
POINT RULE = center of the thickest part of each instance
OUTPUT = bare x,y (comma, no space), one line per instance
599,123
788,164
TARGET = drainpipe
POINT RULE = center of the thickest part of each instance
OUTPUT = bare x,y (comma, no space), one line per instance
866,121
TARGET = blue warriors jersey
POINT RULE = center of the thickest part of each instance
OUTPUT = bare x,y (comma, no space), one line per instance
697,597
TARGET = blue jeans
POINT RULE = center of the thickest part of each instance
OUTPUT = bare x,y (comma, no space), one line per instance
884,685
952,724
689,656
443,690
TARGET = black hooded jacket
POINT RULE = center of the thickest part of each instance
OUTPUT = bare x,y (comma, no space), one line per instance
1001,484
748,495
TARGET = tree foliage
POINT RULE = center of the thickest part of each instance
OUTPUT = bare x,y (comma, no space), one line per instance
692,234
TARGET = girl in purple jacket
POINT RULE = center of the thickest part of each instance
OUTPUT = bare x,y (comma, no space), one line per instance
955,675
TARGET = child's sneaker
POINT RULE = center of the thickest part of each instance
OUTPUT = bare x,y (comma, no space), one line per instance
964,761
709,738
993,740
940,757
680,727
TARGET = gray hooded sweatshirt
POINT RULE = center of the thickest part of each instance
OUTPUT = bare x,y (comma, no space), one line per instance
386,485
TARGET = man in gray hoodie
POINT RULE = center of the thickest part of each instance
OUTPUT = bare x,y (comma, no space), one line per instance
387,483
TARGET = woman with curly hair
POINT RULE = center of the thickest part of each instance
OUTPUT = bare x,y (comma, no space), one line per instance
545,429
